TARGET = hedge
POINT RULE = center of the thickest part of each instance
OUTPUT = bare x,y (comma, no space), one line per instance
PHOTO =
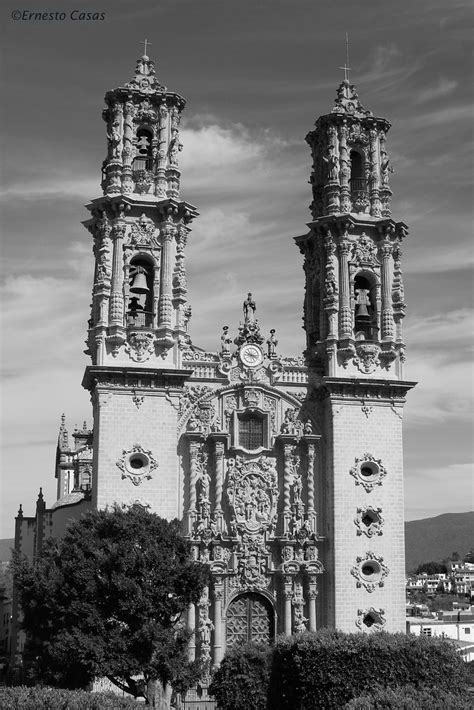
410,698
241,681
328,669
36,698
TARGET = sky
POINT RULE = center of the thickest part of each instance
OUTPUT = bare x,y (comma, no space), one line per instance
256,74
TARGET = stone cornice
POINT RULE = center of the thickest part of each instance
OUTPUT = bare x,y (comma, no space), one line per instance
132,378
117,204
380,390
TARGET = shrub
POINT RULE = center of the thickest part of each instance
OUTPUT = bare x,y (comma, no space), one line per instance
328,669
241,681
36,698
409,697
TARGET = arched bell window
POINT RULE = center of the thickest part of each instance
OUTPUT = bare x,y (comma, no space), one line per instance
365,316
358,181
140,293
143,157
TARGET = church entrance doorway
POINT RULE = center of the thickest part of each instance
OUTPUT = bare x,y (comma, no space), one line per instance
249,618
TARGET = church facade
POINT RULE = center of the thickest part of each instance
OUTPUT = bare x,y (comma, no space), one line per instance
287,472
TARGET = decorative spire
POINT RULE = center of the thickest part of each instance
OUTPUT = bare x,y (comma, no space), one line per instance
347,101
63,439
145,76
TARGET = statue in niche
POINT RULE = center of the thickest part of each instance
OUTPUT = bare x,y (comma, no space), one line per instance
204,482
332,162
114,139
226,341
249,309
385,167
272,342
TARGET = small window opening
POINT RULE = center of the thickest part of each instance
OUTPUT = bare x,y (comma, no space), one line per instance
143,158
251,431
369,620
358,181
140,302
365,310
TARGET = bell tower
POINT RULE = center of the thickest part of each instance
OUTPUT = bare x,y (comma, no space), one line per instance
353,312
139,312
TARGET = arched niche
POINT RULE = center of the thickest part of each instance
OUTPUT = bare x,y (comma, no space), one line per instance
139,291
365,288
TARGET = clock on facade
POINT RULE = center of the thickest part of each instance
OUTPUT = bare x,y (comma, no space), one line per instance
251,355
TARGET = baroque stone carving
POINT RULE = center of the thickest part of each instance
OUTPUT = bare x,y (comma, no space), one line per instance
144,233
369,521
369,571
368,472
136,464
364,251
252,491
370,619
367,357
140,345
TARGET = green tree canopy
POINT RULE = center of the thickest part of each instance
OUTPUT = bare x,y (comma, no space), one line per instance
431,568
107,600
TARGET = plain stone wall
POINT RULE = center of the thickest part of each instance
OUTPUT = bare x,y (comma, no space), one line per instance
349,433
118,425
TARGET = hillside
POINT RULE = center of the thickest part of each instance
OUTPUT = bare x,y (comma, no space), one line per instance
436,538
5,549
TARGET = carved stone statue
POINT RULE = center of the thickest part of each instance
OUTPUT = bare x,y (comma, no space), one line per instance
226,341
249,309
114,140
332,161
272,342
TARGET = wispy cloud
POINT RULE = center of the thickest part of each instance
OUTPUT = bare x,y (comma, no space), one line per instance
443,88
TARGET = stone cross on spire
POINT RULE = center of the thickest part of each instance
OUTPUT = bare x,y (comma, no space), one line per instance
145,43
346,66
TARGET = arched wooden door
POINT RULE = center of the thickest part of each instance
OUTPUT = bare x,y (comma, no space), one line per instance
249,618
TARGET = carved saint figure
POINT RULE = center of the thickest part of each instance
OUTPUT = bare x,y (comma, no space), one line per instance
205,628
332,161
272,342
205,482
226,341
114,140
249,309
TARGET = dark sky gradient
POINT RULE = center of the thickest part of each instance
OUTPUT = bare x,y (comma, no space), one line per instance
256,74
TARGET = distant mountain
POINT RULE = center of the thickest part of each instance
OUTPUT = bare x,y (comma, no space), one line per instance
434,539
5,549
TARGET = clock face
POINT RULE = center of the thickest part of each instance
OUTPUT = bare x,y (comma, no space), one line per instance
251,355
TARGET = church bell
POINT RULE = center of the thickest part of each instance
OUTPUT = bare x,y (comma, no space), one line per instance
139,283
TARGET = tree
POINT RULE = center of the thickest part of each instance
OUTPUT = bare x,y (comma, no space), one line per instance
107,600
431,568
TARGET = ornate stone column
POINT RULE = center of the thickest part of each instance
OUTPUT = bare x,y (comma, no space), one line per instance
345,313
165,307
218,622
161,182
288,450
192,628
116,299
375,204
312,596
287,597
345,169
387,310
129,113
311,456
219,451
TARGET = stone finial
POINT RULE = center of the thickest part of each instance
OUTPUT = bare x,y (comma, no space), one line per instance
347,101
145,76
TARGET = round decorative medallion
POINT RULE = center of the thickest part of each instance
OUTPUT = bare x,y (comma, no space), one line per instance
251,355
